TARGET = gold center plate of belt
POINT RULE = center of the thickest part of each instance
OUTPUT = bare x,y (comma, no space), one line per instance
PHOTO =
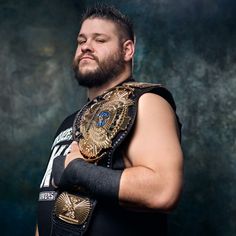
102,121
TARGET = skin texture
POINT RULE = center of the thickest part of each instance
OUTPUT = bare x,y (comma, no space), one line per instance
154,157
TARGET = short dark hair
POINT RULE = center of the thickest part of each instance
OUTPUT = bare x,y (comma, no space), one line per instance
111,13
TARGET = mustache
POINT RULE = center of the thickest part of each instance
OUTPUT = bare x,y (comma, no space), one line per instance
86,54
77,60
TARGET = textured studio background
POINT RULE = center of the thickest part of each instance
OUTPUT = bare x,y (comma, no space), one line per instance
189,46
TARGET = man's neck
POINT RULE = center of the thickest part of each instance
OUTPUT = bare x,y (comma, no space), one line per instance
96,91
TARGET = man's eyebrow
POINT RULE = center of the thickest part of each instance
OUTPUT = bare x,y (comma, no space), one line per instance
81,36
94,34
100,34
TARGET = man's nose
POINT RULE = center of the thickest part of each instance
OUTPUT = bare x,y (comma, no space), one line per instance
86,46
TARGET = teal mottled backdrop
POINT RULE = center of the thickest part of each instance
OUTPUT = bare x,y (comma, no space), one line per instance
189,46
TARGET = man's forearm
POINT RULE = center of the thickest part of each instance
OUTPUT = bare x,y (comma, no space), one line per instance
136,187
143,188
100,182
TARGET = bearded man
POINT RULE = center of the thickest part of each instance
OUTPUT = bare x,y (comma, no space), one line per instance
116,165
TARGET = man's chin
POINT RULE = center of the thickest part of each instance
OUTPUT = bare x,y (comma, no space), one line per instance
91,80
87,71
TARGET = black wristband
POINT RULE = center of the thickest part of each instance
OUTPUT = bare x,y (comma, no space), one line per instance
101,182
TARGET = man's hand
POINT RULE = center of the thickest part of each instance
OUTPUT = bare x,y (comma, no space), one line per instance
73,154
61,162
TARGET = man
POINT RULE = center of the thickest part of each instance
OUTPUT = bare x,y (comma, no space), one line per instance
116,165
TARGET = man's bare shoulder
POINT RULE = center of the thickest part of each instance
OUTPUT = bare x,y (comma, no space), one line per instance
154,102
155,131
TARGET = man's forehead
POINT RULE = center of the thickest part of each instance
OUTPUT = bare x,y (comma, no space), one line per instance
98,26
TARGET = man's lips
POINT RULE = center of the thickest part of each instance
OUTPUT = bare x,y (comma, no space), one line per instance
86,58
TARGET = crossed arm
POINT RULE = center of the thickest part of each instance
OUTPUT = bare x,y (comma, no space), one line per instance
153,157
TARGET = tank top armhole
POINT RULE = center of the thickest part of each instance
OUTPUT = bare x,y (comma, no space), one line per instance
166,94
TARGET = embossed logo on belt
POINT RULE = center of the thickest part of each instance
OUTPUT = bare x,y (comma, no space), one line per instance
72,209
101,122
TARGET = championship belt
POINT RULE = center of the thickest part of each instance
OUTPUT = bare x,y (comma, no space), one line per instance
97,128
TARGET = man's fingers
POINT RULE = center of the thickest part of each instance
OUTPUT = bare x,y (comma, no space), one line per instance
74,146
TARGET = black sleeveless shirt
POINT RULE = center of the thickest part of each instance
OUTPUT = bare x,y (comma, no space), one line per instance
107,219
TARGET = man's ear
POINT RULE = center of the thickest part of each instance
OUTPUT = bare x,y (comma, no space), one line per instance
128,50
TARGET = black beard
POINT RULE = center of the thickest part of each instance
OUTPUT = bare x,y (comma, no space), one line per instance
106,71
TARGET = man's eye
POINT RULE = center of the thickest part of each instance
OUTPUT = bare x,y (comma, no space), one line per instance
81,42
100,40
